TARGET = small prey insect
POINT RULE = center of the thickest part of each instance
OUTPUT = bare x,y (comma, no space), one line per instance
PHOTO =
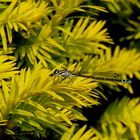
68,74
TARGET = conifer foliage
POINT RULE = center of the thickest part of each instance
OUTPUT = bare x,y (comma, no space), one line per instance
39,36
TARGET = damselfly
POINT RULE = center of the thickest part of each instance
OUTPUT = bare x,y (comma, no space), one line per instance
66,74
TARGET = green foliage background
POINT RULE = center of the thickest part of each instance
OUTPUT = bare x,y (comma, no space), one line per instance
40,36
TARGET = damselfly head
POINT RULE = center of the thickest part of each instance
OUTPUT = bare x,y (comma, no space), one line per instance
55,72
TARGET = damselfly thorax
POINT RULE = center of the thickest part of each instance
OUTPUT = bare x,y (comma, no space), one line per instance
68,74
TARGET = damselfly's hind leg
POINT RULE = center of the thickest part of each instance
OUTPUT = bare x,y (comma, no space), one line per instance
65,78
